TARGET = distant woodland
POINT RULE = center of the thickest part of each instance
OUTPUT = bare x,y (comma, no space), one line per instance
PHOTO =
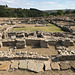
6,11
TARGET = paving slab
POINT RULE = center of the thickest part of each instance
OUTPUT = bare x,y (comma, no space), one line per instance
35,66
64,66
14,64
23,64
55,66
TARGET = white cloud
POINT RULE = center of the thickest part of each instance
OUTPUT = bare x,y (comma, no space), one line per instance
10,2
40,4
49,2
27,3
7,1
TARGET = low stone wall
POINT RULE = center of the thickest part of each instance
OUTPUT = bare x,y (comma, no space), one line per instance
33,42
35,66
32,62
63,57
38,34
18,43
65,20
21,55
65,42
8,42
64,28
38,42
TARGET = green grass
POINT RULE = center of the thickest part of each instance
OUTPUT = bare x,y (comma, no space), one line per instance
51,28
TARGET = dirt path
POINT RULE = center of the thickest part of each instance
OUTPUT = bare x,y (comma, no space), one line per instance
19,72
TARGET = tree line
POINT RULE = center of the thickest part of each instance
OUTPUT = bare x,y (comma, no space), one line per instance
62,12
5,11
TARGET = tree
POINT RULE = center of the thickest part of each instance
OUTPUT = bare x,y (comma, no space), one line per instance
73,11
67,12
54,14
60,12
3,14
5,11
6,6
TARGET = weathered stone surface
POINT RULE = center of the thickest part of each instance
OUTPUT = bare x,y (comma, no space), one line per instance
0,44
4,65
20,43
35,66
63,57
72,64
64,66
47,65
66,42
55,66
44,44
14,64
23,64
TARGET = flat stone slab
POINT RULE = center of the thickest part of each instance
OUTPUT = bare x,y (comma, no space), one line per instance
55,66
72,64
4,65
64,66
14,64
23,64
35,66
47,65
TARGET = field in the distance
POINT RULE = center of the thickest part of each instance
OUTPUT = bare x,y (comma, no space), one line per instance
51,28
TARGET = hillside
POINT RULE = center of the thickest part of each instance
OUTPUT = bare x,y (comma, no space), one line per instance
5,11
51,11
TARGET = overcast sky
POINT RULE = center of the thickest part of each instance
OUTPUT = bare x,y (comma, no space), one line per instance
40,4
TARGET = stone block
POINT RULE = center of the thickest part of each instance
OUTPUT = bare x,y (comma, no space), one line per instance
55,66
47,65
64,66
14,64
23,64
72,64
35,66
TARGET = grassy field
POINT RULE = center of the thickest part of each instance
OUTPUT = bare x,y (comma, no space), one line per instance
50,28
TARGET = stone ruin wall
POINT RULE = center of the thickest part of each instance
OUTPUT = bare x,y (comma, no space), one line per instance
29,39
66,28
32,61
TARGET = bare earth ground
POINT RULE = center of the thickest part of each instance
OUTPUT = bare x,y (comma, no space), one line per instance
21,72
43,51
4,48
26,25
4,18
71,47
